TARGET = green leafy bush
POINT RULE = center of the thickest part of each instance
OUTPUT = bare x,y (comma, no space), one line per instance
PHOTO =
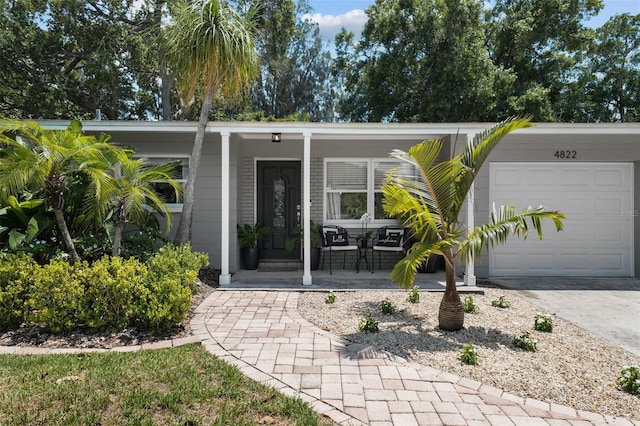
469,305
524,341
501,302
179,262
469,354
16,281
112,293
368,324
414,295
629,380
542,322
386,307
330,298
115,293
56,297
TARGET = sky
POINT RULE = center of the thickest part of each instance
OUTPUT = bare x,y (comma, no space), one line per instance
332,15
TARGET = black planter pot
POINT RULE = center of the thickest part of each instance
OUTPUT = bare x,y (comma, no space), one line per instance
430,266
250,258
315,258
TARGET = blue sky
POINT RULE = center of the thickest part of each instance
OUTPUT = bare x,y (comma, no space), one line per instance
335,14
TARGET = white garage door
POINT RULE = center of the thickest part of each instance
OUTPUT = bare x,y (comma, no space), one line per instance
597,198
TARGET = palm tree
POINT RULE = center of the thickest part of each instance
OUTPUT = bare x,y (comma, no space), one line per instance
212,49
430,204
129,193
33,158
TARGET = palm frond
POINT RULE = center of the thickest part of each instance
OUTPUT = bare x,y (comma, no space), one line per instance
404,271
505,222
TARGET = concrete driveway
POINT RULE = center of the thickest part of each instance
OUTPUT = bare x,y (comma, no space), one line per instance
606,307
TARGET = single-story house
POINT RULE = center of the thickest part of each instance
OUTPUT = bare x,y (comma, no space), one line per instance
288,173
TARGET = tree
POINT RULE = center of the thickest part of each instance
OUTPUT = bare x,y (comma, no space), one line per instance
129,192
430,205
74,57
295,68
537,41
610,76
417,61
211,48
33,158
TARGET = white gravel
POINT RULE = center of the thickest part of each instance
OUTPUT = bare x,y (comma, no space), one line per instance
570,367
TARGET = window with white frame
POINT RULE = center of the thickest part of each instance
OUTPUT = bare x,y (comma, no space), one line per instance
353,187
179,173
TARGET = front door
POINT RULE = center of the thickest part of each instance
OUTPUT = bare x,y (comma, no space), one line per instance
279,206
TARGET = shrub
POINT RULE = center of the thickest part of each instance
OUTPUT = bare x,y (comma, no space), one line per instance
386,307
469,305
414,295
629,380
179,262
469,354
524,341
56,298
114,292
166,304
501,302
330,299
543,322
16,280
368,324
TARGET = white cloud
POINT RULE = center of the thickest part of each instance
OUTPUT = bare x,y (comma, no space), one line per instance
331,25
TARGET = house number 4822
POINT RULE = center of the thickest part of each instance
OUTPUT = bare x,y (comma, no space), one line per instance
566,154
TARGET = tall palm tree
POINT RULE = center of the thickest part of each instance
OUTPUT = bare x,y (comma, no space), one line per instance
428,195
212,50
129,192
33,158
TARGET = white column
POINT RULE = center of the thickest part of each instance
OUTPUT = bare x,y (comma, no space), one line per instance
306,213
225,276
469,276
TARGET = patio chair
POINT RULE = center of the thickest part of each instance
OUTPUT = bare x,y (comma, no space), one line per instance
336,239
388,239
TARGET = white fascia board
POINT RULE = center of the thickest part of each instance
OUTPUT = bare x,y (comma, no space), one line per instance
344,129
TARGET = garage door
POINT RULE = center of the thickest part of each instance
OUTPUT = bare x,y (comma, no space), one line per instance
597,198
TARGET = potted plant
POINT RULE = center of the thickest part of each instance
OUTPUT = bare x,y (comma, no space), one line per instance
316,242
249,237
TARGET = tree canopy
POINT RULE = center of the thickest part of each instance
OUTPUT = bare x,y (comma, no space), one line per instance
416,60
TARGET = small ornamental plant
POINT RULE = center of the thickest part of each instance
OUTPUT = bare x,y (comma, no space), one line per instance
501,302
629,380
469,354
330,299
469,305
414,295
386,307
524,341
543,322
368,324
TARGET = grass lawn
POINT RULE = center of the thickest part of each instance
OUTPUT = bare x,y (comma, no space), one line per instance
177,386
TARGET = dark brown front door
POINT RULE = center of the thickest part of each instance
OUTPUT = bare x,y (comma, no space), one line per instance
279,206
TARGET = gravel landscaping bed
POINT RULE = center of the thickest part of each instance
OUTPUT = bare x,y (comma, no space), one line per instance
570,367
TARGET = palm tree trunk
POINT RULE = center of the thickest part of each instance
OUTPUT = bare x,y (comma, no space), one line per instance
66,236
183,234
117,240
451,314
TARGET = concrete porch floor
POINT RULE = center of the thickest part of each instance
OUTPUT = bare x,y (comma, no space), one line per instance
340,280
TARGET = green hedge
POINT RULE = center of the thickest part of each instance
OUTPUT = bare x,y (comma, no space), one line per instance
112,293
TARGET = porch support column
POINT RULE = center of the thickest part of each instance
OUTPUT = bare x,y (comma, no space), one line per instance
469,275
306,213
225,276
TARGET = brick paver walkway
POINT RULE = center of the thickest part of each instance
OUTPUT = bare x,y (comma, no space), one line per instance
262,333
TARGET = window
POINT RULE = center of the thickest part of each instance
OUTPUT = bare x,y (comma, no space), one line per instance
180,174
353,187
